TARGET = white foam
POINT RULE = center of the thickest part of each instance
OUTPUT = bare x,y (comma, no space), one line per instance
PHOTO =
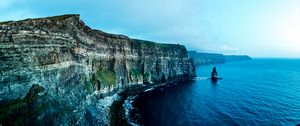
149,89
201,78
128,107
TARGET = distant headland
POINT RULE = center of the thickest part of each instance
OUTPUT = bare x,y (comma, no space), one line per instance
214,58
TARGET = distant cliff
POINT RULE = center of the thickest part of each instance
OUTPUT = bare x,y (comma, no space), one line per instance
236,57
57,70
206,58
214,58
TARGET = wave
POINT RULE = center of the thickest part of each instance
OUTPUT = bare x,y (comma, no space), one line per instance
128,107
201,78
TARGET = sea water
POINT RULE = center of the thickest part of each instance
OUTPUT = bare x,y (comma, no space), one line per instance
256,92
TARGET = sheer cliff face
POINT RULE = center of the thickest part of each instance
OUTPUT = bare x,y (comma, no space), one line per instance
51,67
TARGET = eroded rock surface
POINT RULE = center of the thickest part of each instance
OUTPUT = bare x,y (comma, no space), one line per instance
55,70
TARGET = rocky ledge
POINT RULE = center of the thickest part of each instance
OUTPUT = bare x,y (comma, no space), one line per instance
58,71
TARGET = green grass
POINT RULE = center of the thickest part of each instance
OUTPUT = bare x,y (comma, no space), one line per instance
53,18
106,77
11,106
88,86
145,43
5,22
146,75
20,111
61,17
15,105
135,72
14,110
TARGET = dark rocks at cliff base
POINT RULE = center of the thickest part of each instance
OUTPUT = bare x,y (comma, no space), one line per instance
58,71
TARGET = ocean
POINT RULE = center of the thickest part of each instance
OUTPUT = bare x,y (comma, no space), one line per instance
256,92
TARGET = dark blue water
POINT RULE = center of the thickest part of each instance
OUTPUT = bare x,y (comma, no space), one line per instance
257,92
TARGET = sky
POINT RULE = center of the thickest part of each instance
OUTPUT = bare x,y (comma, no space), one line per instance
259,28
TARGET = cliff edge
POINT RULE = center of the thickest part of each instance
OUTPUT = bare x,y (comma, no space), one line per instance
58,71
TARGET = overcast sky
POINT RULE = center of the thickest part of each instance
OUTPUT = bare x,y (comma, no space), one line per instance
259,28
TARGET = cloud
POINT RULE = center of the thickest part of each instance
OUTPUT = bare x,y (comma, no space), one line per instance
228,49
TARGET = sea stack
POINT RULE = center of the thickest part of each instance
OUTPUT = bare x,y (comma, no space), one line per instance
214,74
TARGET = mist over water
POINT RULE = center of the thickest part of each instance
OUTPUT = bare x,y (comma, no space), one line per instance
257,92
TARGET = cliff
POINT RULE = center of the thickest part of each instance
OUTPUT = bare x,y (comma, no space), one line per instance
214,58
237,57
57,70
206,58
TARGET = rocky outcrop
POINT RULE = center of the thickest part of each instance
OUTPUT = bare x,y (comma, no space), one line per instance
214,58
57,70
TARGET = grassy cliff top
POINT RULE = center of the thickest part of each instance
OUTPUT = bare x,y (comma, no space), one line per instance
53,18
144,43
151,43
